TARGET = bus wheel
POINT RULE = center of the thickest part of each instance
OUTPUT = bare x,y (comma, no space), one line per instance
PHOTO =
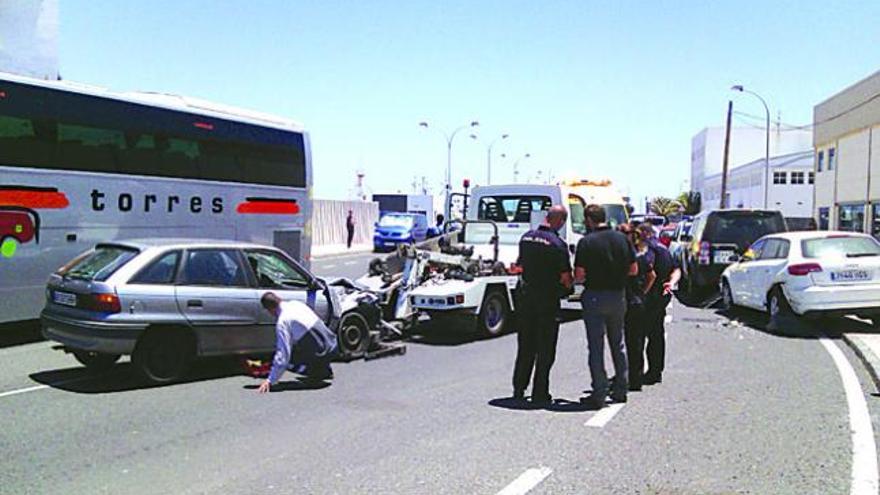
494,313
8,247
353,335
164,355
96,361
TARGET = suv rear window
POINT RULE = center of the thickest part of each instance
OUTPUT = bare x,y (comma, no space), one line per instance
98,264
851,247
741,227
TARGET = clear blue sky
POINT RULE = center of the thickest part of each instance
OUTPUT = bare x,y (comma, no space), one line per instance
606,89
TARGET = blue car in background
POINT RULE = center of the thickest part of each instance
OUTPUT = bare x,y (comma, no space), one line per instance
395,228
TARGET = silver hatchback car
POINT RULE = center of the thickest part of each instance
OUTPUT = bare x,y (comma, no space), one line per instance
166,301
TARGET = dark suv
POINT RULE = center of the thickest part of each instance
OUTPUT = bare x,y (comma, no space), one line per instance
716,236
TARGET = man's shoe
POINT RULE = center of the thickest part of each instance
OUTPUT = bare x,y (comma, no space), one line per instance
519,394
651,379
635,388
542,400
618,398
594,401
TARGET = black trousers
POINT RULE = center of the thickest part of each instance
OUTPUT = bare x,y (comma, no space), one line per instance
635,328
537,333
350,237
656,335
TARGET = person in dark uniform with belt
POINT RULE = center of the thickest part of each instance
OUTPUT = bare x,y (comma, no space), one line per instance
658,298
546,277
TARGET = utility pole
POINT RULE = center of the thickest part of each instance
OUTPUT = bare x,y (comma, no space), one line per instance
723,203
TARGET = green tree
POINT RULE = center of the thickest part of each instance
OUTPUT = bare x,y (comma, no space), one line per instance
664,206
691,202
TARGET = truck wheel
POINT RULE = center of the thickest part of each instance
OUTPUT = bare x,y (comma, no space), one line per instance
494,313
164,355
353,335
96,361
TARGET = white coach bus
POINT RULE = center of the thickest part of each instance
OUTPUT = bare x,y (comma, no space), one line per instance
80,165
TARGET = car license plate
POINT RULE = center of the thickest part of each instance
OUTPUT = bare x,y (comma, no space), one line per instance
850,276
722,257
65,298
389,243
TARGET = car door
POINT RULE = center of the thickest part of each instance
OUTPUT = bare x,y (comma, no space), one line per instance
741,275
215,295
276,273
773,257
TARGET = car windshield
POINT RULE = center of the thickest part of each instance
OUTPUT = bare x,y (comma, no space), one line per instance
838,247
741,228
511,208
614,214
405,221
98,264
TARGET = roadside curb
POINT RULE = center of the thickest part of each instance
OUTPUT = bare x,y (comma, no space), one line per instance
352,252
866,355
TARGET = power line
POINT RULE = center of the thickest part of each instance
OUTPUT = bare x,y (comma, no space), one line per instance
823,121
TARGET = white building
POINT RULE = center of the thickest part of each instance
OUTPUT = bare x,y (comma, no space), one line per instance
791,185
747,144
846,135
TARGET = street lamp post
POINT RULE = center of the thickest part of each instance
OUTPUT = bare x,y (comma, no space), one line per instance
516,168
741,89
489,155
449,138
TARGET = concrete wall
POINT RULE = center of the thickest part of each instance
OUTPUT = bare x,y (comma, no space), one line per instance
328,221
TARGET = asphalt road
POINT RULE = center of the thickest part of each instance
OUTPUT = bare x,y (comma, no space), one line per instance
740,410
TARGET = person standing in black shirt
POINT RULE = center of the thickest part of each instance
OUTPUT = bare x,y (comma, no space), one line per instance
546,277
349,228
604,262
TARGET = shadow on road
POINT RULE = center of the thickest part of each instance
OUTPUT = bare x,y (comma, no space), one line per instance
20,333
794,327
293,385
558,405
122,378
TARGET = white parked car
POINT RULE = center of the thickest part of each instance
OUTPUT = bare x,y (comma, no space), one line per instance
808,273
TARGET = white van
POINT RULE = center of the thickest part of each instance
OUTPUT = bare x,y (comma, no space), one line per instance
511,208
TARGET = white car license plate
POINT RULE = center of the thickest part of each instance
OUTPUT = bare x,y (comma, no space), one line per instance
65,298
722,257
850,276
390,243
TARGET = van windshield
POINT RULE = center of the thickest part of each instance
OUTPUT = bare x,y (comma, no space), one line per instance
614,214
742,227
404,221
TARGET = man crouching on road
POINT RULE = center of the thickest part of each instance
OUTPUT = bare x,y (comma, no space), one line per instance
301,338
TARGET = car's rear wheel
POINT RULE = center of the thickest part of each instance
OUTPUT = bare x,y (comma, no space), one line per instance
777,305
494,313
96,361
353,335
164,355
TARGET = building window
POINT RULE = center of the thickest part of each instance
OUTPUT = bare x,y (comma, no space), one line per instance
831,159
824,214
779,177
819,160
811,177
797,177
851,218
875,220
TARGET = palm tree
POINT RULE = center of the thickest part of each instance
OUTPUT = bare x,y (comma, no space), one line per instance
691,202
664,206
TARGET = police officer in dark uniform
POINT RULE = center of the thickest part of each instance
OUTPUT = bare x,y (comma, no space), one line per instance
658,298
546,277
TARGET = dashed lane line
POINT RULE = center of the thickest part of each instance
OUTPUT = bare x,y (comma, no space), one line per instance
41,387
349,262
864,465
526,481
327,267
606,414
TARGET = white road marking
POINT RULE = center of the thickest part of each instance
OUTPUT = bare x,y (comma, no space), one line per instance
349,262
325,267
41,387
864,465
526,481
601,418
